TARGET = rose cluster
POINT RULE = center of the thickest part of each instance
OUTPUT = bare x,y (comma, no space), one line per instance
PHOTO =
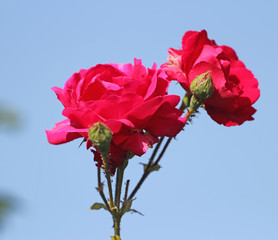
133,101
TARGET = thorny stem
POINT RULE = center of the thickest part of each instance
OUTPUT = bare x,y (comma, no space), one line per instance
126,189
119,182
116,215
117,221
108,179
189,113
100,189
116,188
155,151
115,212
151,164
163,150
146,172
112,209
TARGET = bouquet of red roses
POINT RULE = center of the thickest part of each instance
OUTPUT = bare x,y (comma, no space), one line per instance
122,110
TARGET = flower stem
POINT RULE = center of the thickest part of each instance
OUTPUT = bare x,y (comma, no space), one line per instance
126,190
117,221
100,189
108,179
155,151
163,150
146,172
119,182
187,115
151,164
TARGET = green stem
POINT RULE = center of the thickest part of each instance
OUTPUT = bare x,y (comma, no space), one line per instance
126,190
151,164
113,210
155,151
187,115
100,189
146,172
119,182
117,222
163,151
108,179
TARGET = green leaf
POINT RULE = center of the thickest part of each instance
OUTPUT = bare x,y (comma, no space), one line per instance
100,188
155,168
145,166
116,237
127,207
152,168
97,206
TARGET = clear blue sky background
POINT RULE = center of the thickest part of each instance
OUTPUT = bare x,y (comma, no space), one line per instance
216,183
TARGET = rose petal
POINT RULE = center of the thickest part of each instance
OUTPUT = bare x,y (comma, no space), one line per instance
136,143
231,119
166,121
65,131
83,117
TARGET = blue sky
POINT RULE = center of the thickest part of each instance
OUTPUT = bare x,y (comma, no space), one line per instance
216,183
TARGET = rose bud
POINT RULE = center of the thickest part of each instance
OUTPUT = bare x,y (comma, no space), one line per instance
101,137
202,86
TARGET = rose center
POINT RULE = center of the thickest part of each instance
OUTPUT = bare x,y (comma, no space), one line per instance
233,85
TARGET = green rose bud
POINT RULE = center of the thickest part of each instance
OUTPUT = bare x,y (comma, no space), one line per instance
202,86
101,137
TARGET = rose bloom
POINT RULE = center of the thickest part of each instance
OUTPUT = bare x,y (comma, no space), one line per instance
235,87
130,99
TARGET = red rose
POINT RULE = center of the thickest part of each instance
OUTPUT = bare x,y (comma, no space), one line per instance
235,87
130,99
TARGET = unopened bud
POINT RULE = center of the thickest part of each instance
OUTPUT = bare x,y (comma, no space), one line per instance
101,137
202,86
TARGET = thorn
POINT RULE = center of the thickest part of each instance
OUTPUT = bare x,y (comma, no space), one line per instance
83,140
